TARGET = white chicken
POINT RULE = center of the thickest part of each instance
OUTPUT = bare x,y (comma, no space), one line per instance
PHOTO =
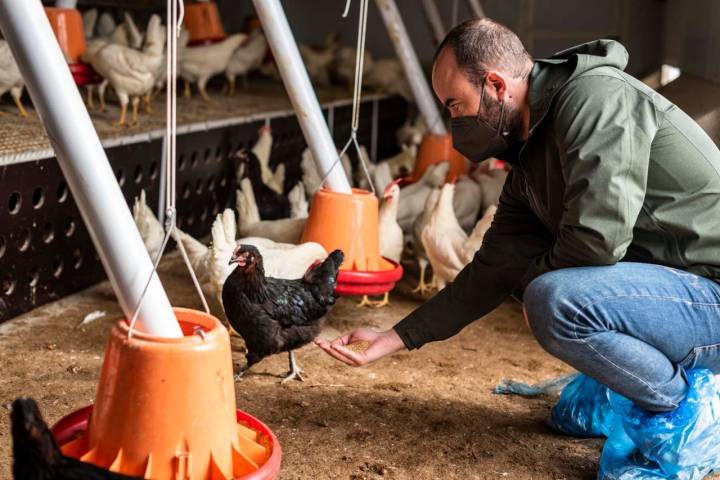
446,244
298,201
387,76
414,195
10,77
132,72
262,149
161,73
391,235
286,230
343,66
403,163
151,231
467,201
411,133
126,34
212,263
418,249
199,64
318,62
491,184
245,60
311,178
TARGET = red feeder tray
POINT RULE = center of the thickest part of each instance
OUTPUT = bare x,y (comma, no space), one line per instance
353,282
75,424
83,74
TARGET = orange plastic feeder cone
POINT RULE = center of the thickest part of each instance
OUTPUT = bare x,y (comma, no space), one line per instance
202,21
349,222
437,149
67,24
165,410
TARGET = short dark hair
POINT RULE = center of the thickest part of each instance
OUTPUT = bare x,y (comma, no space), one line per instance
481,44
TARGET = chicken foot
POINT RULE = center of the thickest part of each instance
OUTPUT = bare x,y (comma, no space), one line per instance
147,103
229,87
422,285
295,372
135,104
23,112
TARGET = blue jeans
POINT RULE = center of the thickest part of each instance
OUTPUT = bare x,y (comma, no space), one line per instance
634,327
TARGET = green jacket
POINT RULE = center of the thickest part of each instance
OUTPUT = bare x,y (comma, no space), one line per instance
611,171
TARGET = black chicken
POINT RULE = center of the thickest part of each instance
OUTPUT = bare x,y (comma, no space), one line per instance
274,315
271,205
36,456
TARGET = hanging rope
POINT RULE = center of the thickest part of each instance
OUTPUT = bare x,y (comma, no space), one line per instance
175,14
357,93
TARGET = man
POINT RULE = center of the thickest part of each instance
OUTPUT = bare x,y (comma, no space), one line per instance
608,227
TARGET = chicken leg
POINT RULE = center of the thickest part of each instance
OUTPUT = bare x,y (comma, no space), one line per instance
422,285
101,95
203,93
295,372
16,98
147,103
90,97
384,302
187,93
123,113
133,118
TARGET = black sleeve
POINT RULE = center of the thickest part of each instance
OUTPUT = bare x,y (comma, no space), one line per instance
515,238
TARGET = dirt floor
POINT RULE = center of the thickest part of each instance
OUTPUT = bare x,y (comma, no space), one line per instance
417,415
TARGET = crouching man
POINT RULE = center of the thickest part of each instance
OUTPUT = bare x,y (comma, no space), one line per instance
608,231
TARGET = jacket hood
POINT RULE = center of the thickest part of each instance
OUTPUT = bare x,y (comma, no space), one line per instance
549,75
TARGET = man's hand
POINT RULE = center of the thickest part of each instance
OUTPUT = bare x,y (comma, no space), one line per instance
380,344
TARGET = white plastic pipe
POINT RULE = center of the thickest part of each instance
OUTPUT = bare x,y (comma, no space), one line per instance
301,93
476,8
85,165
434,20
413,71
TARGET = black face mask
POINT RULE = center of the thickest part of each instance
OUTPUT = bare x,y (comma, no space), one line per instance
476,139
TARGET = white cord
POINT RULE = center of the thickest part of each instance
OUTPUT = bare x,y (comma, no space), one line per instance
357,93
175,14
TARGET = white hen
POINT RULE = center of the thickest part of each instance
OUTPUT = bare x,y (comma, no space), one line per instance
10,77
131,72
446,244
311,178
404,162
286,230
298,202
211,263
318,62
245,60
414,195
151,231
262,149
199,64
387,75
419,250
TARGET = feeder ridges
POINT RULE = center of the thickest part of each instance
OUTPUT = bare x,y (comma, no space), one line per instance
165,409
438,148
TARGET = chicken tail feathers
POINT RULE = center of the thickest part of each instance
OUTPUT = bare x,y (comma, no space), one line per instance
324,275
34,448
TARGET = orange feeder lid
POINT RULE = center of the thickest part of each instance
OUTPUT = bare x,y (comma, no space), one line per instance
438,148
202,21
165,409
67,24
349,222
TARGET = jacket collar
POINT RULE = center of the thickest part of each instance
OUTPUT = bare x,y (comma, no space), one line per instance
546,79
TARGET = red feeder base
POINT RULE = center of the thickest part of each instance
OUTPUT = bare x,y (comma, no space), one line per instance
83,74
76,424
353,282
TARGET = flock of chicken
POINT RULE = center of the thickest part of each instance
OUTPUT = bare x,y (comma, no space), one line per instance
133,63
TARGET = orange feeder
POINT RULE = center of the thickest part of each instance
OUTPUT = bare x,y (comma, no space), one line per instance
438,148
202,21
67,24
165,409
349,222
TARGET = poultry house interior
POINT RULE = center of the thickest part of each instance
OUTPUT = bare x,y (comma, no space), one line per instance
247,180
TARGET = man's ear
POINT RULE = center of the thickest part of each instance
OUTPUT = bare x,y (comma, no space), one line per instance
496,83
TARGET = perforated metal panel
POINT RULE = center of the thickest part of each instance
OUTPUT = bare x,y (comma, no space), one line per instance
45,249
